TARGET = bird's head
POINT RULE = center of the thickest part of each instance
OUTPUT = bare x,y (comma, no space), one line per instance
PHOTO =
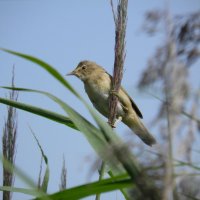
86,70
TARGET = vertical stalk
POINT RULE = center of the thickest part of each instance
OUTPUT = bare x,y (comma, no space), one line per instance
8,143
101,174
169,180
120,31
168,193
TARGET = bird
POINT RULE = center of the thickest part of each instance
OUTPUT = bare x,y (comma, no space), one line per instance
97,84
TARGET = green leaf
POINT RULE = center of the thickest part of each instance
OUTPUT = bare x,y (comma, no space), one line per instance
102,140
45,180
33,192
45,66
10,167
119,151
81,191
41,112
85,190
93,135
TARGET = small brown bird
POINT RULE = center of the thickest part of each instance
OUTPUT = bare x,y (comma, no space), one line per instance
97,84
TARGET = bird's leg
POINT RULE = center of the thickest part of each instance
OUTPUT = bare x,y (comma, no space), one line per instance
118,118
114,92
112,125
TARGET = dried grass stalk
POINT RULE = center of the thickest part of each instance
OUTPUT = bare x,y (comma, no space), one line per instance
9,142
120,33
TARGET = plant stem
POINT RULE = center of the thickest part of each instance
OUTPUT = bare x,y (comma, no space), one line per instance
101,174
120,33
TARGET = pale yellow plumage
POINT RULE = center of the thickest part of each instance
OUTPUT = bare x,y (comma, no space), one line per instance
97,83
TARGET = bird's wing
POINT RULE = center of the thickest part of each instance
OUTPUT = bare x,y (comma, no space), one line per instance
134,106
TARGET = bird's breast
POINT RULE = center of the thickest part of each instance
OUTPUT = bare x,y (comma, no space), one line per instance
98,91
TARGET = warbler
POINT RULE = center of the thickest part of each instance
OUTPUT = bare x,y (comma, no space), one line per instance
97,83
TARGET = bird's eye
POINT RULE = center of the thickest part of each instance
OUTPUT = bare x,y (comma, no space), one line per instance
83,67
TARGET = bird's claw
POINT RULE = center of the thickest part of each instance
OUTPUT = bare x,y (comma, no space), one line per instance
112,125
114,92
119,119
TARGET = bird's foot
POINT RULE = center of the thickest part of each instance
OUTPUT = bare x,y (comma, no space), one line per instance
114,92
118,119
112,125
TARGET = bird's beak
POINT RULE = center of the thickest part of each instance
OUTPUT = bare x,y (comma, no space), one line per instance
71,73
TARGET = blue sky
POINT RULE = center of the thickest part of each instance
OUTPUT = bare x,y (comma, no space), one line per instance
63,33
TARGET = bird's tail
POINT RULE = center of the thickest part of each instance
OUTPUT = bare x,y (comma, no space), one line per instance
136,125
